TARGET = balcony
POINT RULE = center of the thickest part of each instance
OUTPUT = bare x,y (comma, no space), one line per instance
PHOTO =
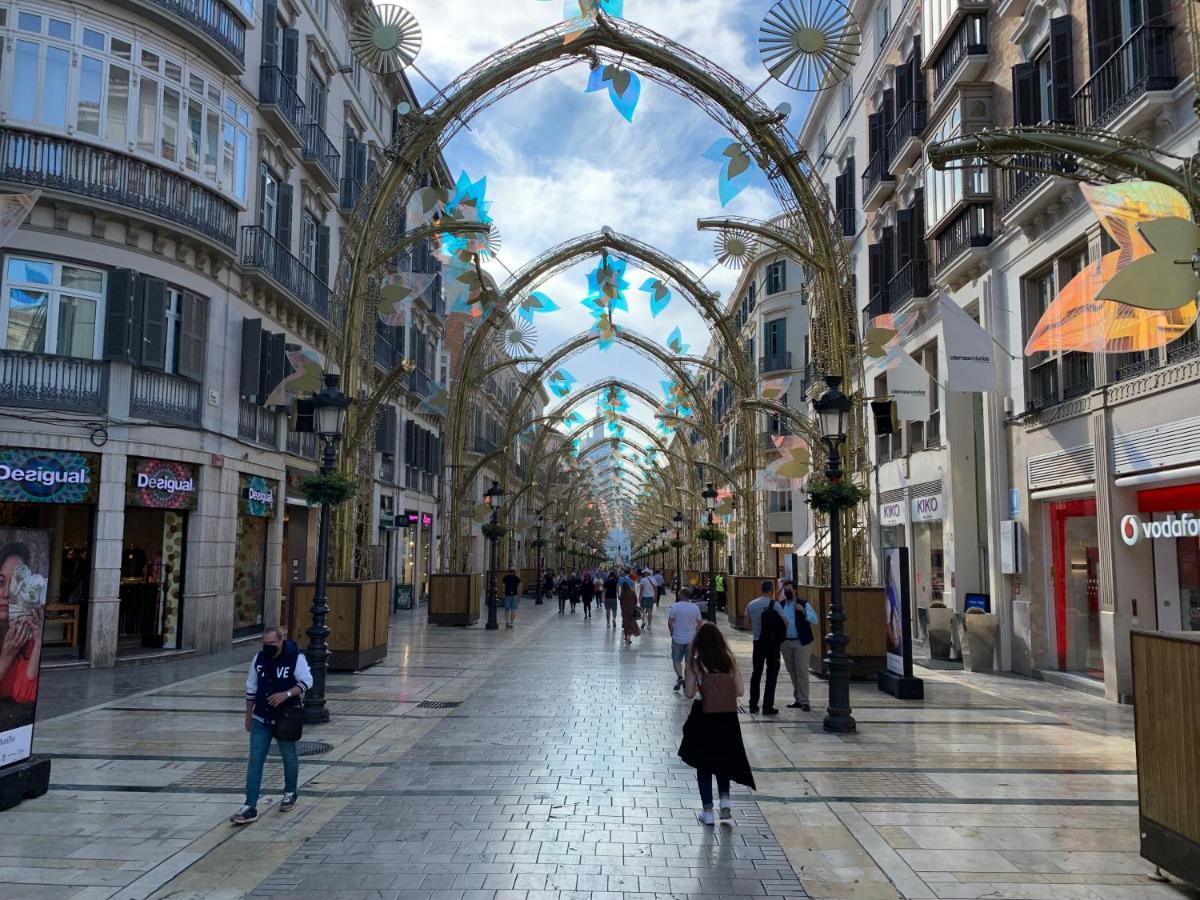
160,397
1032,187
302,444
387,356
262,253
279,102
775,362
209,24
912,281
880,304
62,165
321,156
904,138
40,381
877,181
962,246
939,35
1143,64
258,424
483,446
963,57
422,385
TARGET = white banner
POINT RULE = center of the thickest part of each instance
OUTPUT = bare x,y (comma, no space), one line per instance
908,383
970,363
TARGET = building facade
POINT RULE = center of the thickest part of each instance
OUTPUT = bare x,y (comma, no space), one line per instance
196,166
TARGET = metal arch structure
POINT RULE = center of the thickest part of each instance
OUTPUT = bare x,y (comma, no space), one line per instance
732,104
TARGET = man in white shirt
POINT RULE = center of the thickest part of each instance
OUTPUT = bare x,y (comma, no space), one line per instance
646,594
683,618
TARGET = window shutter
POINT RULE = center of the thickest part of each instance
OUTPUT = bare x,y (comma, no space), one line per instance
839,193
1062,72
270,15
291,55
874,133
889,257
193,335
270,365
874,269
371,163
119,314
920,248
901,79
283,218
360,161
437,454
322,261
252,333
904,237
262,195
888,110
851,202
385,431
1024,90
393,427
410,442
152,324
918,74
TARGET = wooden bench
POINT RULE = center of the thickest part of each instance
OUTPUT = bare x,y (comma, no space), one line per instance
66,615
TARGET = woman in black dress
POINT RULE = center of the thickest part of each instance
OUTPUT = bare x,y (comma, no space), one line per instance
586,590
712,739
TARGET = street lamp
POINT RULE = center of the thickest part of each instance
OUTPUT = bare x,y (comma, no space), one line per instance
662,548
538,545
492,498
574,552
710,504
329,421
678,520
562,538
831,408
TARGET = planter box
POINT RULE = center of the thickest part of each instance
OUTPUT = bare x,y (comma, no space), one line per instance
978,636
739,591
529,579
455,599
941,624
358,619
865,627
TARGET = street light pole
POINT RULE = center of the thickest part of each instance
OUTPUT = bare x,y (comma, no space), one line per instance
562,546
678,520
710,503
492,498
832,407
538,544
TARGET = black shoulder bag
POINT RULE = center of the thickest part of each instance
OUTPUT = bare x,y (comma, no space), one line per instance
289,723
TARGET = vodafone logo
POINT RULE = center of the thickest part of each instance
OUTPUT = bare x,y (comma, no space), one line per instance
1131,531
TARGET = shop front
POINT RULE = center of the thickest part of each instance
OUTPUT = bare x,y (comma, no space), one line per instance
256,507
416,551
1169,519
928,550
1075,586
891,524
53,492
159,495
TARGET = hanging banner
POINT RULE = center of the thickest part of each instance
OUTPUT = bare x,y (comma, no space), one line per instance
908,383
24,577
970,364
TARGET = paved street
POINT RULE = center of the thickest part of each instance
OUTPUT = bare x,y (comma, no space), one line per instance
540,762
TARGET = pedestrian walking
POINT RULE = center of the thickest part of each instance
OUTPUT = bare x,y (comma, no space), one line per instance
719,587
629,608
799,617
587,590
564,592
764,619
611,583
575,586
512,595
712,737
683,619
275,686
646,595
660,587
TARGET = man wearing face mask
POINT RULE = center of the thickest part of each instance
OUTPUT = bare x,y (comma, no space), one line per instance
279,676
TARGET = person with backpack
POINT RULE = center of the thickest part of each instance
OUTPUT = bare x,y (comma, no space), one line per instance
799,617
712,736
764,620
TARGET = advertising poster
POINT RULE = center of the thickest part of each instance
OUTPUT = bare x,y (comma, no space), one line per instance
24,574
897,610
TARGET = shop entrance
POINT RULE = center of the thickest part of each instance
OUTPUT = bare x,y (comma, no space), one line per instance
152,559
1075,564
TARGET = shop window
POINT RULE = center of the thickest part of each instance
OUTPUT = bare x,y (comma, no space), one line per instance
1075,563
52,307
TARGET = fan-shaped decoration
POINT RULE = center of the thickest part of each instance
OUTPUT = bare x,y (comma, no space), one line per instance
734,248
809,45
486,245
385,39
518,336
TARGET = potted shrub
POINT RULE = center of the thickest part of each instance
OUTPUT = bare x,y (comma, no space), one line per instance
978,640
941,621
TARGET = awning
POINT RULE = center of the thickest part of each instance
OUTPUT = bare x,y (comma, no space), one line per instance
809,547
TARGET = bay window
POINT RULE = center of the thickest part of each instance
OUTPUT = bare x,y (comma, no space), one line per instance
52,307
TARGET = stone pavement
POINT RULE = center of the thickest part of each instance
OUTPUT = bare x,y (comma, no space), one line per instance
540,762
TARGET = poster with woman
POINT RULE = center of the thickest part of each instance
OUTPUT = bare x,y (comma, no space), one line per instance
895,593
24,575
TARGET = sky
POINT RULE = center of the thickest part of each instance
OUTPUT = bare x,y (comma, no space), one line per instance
560,162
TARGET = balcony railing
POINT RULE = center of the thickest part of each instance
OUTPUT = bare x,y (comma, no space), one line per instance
1138,367
483,445
1031,170
319,148
910,122
421,384
277,90
160,397
258,424
261,251
880,303
60,164
1145,62
215,19
971,228
302,443
387,355
970,39
36,380
1183,351
876,172
775,362
387,468
911,281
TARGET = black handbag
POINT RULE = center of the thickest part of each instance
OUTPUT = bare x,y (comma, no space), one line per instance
289,723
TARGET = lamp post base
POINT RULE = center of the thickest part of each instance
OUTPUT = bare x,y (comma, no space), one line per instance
316,715
839,723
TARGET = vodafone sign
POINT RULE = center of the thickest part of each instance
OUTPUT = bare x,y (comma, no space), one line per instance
1133,529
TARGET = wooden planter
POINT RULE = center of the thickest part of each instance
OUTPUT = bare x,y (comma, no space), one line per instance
358,619
455,599
529,580
739,591
865,627
1166,671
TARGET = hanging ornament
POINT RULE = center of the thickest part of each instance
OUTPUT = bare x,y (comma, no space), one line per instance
734,248
518,336
809,45
385,39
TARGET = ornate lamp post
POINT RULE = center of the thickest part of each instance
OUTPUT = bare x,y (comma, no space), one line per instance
329,419
710,504
678,520
537,543
831,408
574,552
662,548
562,538
492,497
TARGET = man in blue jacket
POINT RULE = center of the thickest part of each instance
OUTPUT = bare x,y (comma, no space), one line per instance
278,677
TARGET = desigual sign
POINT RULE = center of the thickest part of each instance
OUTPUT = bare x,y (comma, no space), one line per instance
161,484
927,509
48,476
258,496
1133,529
891,513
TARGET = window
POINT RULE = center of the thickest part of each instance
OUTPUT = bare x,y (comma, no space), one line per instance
847,91
309,230
927,434
52,307
777,277
779,501
174,318
883,24
315,101
268,202
1054,377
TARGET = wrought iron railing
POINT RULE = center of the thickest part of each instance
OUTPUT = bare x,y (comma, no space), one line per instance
261,251
933,430
910,122
60,164
320,149
483,445
1030,170
421,384
1138,367
970,228
276,89
302,443
161,397
386,354
880,304
911,281
876,171
259,424
36,380
1144,62
775,362
970,39
1183,351
215,19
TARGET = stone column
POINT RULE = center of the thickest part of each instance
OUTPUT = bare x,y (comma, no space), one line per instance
105,601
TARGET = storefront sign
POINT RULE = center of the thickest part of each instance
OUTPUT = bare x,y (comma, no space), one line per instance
411,517
426,520
26,572
48,476
927,509
161,484
257,496
788,546
1133,529
891,513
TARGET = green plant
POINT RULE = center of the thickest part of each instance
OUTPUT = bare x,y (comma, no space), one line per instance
711,534
678,544
538,543
825,495
334,488
494,532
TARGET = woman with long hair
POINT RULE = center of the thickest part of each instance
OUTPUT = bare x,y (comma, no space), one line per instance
628,593
712,737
